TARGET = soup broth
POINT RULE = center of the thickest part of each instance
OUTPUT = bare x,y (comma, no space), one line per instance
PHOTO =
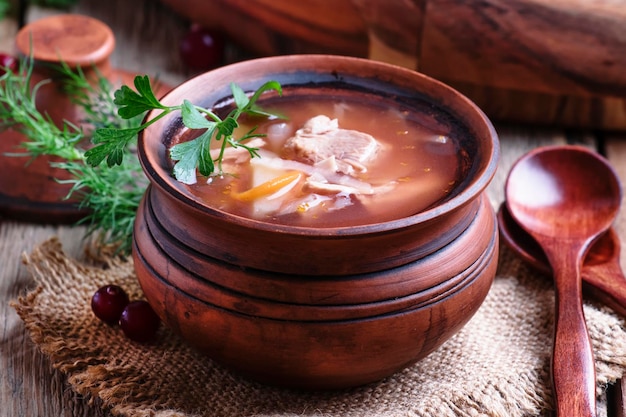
336,161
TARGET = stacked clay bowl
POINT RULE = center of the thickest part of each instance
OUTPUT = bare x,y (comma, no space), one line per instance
309,307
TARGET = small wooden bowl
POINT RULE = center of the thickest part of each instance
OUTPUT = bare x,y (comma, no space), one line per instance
318,307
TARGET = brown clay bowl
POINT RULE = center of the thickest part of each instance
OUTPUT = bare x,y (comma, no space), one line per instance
275,295
306,351
315,251
318,307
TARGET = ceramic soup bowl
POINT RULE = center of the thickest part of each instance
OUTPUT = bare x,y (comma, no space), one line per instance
318,306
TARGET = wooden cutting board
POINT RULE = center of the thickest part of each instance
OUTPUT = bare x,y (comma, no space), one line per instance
556,62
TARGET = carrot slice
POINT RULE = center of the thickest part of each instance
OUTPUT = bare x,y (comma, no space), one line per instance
269,187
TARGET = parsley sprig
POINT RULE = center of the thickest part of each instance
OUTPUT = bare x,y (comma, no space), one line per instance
192,156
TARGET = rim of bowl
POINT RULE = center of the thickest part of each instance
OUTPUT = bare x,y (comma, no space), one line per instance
260,70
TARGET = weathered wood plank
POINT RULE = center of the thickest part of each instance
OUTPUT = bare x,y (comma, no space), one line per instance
555,46
29,386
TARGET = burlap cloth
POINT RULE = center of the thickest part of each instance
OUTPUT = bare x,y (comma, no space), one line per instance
498,365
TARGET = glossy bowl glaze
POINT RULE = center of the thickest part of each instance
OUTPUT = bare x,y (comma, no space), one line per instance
318,307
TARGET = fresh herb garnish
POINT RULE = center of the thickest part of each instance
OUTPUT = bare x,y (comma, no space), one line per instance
111,193
18,111
192,156
94,96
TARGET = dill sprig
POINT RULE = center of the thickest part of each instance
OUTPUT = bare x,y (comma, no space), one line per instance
19,112
110,195
94,97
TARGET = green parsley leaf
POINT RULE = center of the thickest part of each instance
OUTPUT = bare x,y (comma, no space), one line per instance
131,103
193,119
112,145
187,155
206,165
270,85
240,97
226,128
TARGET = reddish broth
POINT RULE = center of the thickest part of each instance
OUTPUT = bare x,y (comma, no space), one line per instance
419,154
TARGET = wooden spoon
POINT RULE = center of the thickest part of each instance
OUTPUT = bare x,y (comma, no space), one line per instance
565,197
602,275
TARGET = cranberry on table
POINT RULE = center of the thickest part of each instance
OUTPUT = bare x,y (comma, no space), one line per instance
202,48
7,62
139,322
108,303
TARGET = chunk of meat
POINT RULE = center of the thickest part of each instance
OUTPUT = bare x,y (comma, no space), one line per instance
321,138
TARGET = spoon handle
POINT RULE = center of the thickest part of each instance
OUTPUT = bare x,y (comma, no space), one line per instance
573,365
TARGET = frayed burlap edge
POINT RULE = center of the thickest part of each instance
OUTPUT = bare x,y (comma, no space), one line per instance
88,372
498,365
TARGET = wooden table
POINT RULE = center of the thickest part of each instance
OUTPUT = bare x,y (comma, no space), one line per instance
147,35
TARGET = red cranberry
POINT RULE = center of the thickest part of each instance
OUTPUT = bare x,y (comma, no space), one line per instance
139,322
108,303
7,62
202,49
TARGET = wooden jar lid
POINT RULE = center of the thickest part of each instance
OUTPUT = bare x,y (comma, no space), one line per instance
75,39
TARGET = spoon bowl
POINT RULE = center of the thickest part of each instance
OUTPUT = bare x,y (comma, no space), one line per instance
602,275
566,197
566,192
